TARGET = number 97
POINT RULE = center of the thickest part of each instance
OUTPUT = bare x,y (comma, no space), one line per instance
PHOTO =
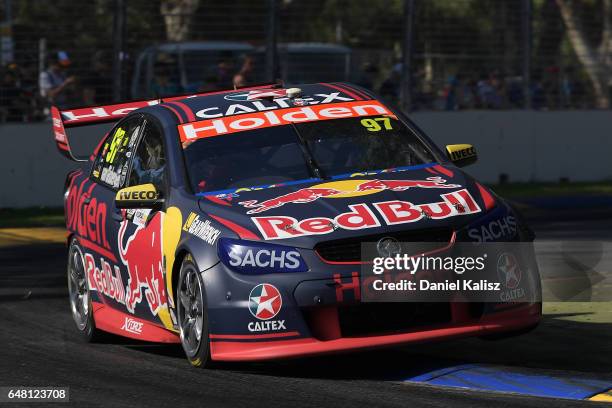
373,125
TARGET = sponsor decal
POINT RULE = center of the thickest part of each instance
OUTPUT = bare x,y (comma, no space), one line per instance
361,216
494,230
132,326
138,195
87,220
138,216
256,94
58,130
257,120
343,189
104,112
265,258
265,301
509,270
120,140
510,274
462,153
201,229
106,279
111,177
388,247
259,258
268,325
280,102
351,288
142,256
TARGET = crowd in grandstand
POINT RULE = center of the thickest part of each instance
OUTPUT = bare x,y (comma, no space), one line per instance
25,98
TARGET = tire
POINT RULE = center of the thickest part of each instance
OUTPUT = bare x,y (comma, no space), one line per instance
192,314
79,296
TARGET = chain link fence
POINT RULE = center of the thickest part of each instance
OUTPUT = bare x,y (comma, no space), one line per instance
421,54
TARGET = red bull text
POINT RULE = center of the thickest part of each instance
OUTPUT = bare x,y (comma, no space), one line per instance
361,216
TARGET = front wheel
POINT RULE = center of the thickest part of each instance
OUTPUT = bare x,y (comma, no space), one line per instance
193,314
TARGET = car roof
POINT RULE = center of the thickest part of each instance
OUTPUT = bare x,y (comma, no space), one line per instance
224,99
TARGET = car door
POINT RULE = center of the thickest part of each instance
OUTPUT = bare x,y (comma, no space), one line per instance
140,236
109,173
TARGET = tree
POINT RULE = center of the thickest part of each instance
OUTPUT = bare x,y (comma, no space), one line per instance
177,16
593,55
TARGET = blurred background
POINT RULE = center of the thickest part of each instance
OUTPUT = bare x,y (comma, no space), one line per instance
528,82
426,55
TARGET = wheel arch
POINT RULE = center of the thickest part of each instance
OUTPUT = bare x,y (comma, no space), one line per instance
181,254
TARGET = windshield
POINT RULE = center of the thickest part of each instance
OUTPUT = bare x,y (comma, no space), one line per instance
302,151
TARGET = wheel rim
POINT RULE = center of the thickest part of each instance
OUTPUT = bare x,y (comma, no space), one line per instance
77,288
191,311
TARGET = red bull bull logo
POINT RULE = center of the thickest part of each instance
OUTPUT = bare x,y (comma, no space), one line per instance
142,257
361,216
343,189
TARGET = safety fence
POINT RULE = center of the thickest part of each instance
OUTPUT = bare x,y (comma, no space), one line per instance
422,54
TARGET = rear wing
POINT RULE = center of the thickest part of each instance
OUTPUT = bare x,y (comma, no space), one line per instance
94,115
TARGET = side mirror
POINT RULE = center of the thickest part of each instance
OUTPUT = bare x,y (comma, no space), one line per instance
462,154
141,196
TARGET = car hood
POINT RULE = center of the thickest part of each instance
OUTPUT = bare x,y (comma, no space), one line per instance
362,204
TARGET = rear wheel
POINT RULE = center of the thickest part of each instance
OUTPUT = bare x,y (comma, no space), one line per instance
79,295
193,314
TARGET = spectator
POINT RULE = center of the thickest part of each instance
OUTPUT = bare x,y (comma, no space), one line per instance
450,93
489,88
53,82
390,87
244,76
367,76
468,98
209,84
163,84
97,84
11,95
224,74
572,89
551,84
538,97
514,87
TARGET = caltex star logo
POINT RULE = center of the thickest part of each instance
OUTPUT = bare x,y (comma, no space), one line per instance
265,301
509,270
256,94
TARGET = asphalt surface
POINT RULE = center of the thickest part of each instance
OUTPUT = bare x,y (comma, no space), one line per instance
38,348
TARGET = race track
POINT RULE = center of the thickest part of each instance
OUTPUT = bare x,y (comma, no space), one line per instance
38,348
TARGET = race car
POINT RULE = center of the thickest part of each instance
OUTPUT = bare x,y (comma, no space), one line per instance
232,222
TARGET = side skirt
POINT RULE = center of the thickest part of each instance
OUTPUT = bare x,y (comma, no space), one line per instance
126,325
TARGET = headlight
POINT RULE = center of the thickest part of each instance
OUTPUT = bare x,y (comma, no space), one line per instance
255,258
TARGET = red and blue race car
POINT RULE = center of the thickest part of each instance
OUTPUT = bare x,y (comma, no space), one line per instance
232,222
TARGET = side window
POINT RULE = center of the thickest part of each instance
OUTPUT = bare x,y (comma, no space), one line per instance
150,159
111,165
